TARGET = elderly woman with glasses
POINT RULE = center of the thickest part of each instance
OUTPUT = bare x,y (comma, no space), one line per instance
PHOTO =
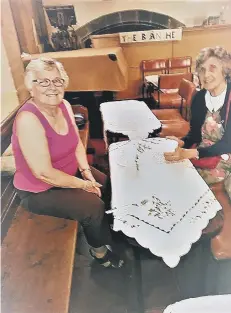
208,143
53,176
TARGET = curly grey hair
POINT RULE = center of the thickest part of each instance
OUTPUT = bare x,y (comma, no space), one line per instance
42,64
218,52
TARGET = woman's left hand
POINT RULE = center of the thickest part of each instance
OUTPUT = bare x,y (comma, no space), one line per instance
87,175
180,154
93,187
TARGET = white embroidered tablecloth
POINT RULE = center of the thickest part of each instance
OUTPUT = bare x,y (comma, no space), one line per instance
164,206
129,117
209,304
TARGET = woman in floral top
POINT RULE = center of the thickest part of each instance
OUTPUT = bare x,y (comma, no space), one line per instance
210,125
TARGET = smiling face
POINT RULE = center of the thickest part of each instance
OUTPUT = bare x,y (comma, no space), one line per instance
49,95
211,74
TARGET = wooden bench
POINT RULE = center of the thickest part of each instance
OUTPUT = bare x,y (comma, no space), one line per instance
37,261
38,254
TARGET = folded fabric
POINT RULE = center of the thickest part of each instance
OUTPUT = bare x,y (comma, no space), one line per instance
7,165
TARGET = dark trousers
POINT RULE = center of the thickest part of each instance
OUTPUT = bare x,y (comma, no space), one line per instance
75,204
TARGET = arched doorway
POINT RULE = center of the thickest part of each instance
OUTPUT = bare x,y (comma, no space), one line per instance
125,21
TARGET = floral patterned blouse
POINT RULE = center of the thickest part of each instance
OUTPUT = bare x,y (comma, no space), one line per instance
212,131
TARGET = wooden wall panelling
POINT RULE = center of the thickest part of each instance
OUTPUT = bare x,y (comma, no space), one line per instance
134,54
134,85
22,12
195,40
10,39
18,24
105,41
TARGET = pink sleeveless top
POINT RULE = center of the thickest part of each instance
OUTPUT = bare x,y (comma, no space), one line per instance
62,151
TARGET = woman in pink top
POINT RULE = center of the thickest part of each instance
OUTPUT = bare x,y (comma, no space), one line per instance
49,153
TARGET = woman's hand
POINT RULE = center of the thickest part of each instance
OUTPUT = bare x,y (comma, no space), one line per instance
180,154
93,187
87,175
26,57
179,141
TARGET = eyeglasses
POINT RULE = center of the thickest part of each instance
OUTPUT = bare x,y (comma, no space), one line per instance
57,82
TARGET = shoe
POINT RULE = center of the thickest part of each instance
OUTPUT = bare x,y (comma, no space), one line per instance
110,259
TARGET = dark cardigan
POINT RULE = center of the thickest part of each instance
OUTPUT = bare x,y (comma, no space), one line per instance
198,114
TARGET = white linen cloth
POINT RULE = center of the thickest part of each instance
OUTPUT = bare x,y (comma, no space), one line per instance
164,206
153,79
208,304
129,117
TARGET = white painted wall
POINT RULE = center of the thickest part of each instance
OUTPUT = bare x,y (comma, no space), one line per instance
189,12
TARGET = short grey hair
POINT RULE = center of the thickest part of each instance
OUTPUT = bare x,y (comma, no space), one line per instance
41,64
218,52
